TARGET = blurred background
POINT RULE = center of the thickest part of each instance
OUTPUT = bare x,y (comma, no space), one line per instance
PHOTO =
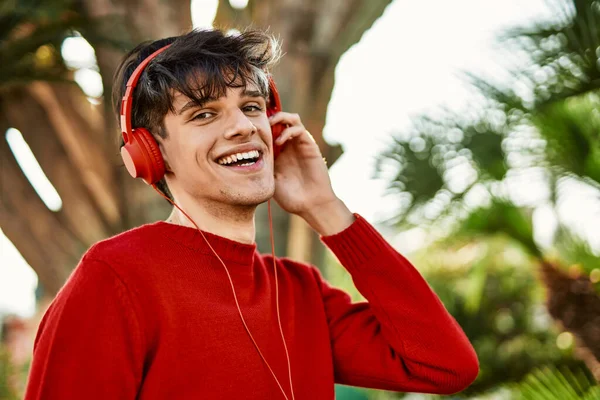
467,131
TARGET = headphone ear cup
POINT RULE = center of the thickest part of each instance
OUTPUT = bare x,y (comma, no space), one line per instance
276,132
273,108
142,157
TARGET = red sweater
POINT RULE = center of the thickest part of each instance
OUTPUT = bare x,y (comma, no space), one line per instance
149,314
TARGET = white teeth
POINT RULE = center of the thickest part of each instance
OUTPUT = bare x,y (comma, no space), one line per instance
239,156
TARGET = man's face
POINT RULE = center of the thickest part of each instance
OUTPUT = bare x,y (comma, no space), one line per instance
211,149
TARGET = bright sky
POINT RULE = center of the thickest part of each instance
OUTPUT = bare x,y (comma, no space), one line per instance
407,63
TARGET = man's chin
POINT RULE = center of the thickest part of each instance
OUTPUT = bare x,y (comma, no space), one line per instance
251,199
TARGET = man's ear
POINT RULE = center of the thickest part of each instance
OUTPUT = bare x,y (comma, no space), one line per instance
163,152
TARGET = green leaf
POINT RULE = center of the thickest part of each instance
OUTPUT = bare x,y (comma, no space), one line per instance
501,216
417,174
549,383
575,250
570,129
28,28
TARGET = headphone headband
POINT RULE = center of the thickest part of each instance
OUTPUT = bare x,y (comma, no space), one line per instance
127,100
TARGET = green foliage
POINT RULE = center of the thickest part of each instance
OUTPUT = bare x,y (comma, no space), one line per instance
489,286
570,129
563,51
501,216
543,118
31,36
343,392
7,375
486,150
554,384
545,115
575,250
490,289
446,155
418,174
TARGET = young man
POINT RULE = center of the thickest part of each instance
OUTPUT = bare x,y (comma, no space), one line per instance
157,313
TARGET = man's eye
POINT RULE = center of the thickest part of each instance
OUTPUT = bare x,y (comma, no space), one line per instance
252,108
203,115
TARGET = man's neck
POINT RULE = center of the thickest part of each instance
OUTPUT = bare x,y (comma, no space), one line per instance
231,222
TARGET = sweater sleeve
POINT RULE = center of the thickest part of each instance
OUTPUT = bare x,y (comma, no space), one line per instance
89,343
402,338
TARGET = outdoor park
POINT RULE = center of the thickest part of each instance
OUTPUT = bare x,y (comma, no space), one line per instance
467,132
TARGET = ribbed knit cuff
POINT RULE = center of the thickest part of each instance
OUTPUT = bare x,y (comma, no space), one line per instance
357,243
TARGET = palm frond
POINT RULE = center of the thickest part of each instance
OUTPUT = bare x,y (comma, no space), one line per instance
501,216
31,38
563,51
570,129
575,251
550,383
439,159
417,173
488,285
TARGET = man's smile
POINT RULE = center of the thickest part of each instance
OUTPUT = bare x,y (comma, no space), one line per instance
252,161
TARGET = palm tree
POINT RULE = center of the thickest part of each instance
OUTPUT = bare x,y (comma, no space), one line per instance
38,96
75,141
542,123
488,286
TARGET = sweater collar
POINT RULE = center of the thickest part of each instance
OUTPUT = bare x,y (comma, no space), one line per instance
227,249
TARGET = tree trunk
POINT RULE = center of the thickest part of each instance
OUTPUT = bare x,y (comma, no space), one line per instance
314,36
573,301
36,232
76,143
71,163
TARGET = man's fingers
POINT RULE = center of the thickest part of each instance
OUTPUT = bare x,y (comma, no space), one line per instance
288,133
286,118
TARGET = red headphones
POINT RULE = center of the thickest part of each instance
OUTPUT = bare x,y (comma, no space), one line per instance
140,151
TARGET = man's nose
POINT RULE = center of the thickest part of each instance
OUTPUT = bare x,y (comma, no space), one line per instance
239,125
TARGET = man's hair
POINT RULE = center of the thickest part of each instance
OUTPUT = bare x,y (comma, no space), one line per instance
201,65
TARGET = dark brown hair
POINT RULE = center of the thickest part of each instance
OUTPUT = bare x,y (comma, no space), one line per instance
200,64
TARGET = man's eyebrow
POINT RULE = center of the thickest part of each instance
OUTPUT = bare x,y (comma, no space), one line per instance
254,93
195,103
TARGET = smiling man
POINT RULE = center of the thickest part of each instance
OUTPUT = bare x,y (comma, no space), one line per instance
168,311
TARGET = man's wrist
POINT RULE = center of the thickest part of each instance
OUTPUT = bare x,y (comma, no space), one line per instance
330,218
